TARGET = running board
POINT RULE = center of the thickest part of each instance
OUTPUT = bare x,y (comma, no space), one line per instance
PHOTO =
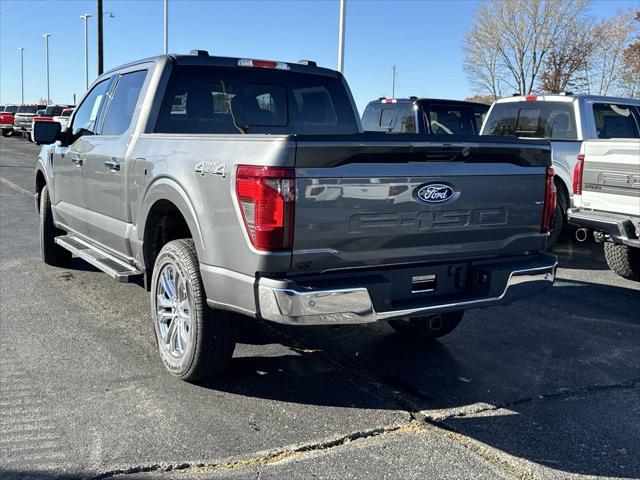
110,265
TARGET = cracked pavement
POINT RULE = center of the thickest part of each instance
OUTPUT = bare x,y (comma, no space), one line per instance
548,387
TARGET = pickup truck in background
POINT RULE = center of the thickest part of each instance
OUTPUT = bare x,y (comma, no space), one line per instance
566,121
424,115
47,116
606,192
202,176
6,119
63,117
23,117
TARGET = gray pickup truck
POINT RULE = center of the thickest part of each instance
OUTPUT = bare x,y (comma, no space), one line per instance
205,177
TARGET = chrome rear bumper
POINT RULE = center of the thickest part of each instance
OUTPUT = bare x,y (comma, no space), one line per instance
299,306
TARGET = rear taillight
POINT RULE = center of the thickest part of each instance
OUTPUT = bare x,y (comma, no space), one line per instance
248,62
549,202
577,175
531,98
267,196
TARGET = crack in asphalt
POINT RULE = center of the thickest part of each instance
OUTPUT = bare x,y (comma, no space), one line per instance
266,458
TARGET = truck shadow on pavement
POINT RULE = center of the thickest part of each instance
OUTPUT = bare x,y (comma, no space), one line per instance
553,380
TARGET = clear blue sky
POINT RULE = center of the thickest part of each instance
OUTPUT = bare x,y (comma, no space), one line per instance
422,38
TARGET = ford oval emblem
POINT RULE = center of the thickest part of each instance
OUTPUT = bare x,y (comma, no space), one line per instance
436,193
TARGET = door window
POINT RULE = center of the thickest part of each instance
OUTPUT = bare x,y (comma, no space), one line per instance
123,103
87,114
615,121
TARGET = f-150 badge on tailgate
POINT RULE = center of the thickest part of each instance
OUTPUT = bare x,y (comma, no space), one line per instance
436,193
212,168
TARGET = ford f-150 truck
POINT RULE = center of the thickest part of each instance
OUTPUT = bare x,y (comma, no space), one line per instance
196,174
606,193
566,121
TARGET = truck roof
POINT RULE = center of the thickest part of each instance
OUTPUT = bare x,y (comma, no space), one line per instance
411,100
566,97
201,57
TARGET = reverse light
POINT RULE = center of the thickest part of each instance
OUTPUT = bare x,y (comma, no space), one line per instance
550,197
577,175
247,62
267,203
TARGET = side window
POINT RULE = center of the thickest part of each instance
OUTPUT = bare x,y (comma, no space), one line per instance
87,114
615,121
388,119
123,103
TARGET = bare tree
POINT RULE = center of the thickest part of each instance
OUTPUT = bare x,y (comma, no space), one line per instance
630,77
510,39
605,65
565,64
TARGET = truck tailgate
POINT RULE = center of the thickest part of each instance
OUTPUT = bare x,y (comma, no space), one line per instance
611,176
370,203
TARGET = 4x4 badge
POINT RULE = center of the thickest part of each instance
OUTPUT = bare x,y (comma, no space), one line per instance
212,168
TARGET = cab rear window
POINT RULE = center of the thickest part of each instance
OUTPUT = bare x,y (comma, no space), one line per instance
389,118
549,120
202,99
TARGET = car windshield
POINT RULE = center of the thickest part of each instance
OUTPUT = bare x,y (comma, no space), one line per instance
202,99
52,111
533,119
11,109
27,109
67,112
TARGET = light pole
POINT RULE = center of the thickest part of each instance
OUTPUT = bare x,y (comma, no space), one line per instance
343,14
21,75
86,17
108,15
46,41
166,27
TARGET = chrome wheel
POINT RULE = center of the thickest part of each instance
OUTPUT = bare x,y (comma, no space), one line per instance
173,311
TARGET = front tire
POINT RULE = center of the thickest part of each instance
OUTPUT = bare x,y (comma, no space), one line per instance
427,327
52,253
194,341
623,260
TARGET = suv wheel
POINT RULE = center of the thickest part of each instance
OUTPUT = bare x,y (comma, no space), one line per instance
623,260
52,253
194,341
427,327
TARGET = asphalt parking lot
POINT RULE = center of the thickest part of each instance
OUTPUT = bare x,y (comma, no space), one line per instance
545,388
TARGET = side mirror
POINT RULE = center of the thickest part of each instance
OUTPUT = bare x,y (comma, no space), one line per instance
46,133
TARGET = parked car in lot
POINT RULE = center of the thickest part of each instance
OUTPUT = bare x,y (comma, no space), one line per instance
192,172
63,117
566,121
424,115
606,192
23,117
47,115
6,119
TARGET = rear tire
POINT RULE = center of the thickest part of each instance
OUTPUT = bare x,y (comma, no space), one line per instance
558,222
52,253
194,341
427,327
623,260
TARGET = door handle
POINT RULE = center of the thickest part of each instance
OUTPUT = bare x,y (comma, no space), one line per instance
77,159
112,164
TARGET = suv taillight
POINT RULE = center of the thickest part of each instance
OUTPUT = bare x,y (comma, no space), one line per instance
549,202
577,175
267,197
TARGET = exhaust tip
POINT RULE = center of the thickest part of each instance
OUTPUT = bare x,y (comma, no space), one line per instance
581,235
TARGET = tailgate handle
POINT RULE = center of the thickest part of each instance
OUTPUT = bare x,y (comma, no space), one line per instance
423,283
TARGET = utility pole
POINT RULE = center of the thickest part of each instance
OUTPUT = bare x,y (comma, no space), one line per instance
100,44
393,82
85,17
166,27
343,14
21,74
46,41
